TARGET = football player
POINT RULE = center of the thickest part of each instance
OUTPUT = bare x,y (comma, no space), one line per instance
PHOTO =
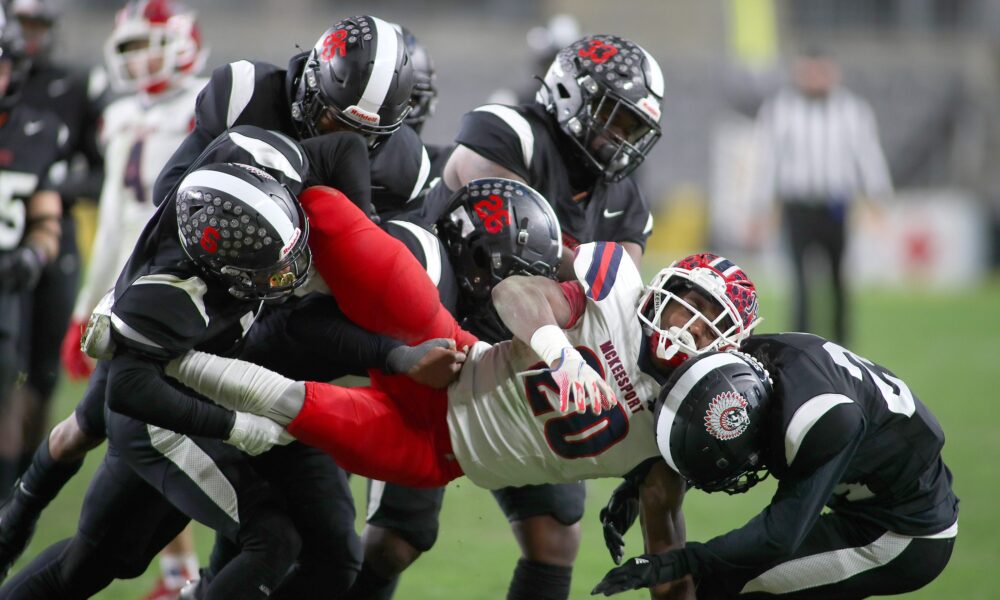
864,505
77,97
595,119
471,253
357,77
32,145
593,122
503,422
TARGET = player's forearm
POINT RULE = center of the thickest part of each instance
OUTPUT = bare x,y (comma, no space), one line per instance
44,229
239,385
136,388
522,306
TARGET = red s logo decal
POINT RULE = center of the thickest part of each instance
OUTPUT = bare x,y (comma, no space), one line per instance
492,213
210,240
599,51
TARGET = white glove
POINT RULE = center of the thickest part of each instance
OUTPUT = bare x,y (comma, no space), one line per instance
255,435
576,379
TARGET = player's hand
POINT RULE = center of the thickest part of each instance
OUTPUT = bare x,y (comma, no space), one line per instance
434,363
618,516
21,268
77,364
641,571
255,435
578,381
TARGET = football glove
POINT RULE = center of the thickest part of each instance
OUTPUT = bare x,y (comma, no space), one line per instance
618,516
578,381
255,435
641,571
77,364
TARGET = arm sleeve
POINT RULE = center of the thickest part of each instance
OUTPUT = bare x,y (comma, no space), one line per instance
779,529
347,348
137,388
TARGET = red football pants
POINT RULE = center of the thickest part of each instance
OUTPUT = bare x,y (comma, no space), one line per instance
401,438
396,430
376,280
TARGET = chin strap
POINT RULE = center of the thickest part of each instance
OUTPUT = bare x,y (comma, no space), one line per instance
239,385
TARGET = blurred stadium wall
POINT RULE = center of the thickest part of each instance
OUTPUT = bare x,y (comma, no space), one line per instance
930,68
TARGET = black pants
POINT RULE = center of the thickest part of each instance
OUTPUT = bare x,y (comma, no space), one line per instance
823,228
842,558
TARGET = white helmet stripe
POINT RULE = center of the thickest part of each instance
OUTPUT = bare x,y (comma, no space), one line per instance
430,246
253,197
265,154
656,75
386,48
677,395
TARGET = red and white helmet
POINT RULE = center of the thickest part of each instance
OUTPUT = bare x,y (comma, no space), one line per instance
717,279
173,53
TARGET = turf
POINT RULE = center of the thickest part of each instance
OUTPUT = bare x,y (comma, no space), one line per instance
944,345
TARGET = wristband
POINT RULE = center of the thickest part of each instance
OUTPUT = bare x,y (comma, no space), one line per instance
549,342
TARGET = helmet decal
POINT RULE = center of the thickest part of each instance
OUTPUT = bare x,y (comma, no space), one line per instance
727,416
492,213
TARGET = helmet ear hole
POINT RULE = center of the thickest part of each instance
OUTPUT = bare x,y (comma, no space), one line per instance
481,258
563,92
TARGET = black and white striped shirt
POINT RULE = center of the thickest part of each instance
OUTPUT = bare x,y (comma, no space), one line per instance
819,149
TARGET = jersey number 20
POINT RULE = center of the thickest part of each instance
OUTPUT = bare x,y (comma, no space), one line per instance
575,435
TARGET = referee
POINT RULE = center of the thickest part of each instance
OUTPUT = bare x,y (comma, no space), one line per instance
819,150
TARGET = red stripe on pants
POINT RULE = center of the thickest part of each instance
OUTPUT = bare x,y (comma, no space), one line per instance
376,280
403,440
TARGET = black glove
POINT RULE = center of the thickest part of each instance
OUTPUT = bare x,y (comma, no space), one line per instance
402,358
618,516
20,269
641,571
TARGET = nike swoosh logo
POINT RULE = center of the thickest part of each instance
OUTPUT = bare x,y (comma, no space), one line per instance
33,127
610,215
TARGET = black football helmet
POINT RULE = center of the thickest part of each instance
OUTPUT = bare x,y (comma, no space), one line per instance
710,421
495,228
241,226
605,93
424,96
14,61
358,74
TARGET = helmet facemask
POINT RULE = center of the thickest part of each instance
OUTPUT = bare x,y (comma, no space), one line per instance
674,344
613,136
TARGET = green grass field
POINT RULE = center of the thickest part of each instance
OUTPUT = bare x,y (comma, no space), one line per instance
945,346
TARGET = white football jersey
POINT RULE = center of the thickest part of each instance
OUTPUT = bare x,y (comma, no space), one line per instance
138,134
503,412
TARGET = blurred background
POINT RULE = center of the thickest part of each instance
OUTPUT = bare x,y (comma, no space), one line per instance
923,268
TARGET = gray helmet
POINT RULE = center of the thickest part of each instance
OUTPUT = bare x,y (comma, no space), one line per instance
605,93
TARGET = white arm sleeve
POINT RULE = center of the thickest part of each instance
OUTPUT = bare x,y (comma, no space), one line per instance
239,385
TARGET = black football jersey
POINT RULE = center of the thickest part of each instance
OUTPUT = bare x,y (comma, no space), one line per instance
844,433
78,98
401,169
524,139
31,142
827,395
164,305
429,250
